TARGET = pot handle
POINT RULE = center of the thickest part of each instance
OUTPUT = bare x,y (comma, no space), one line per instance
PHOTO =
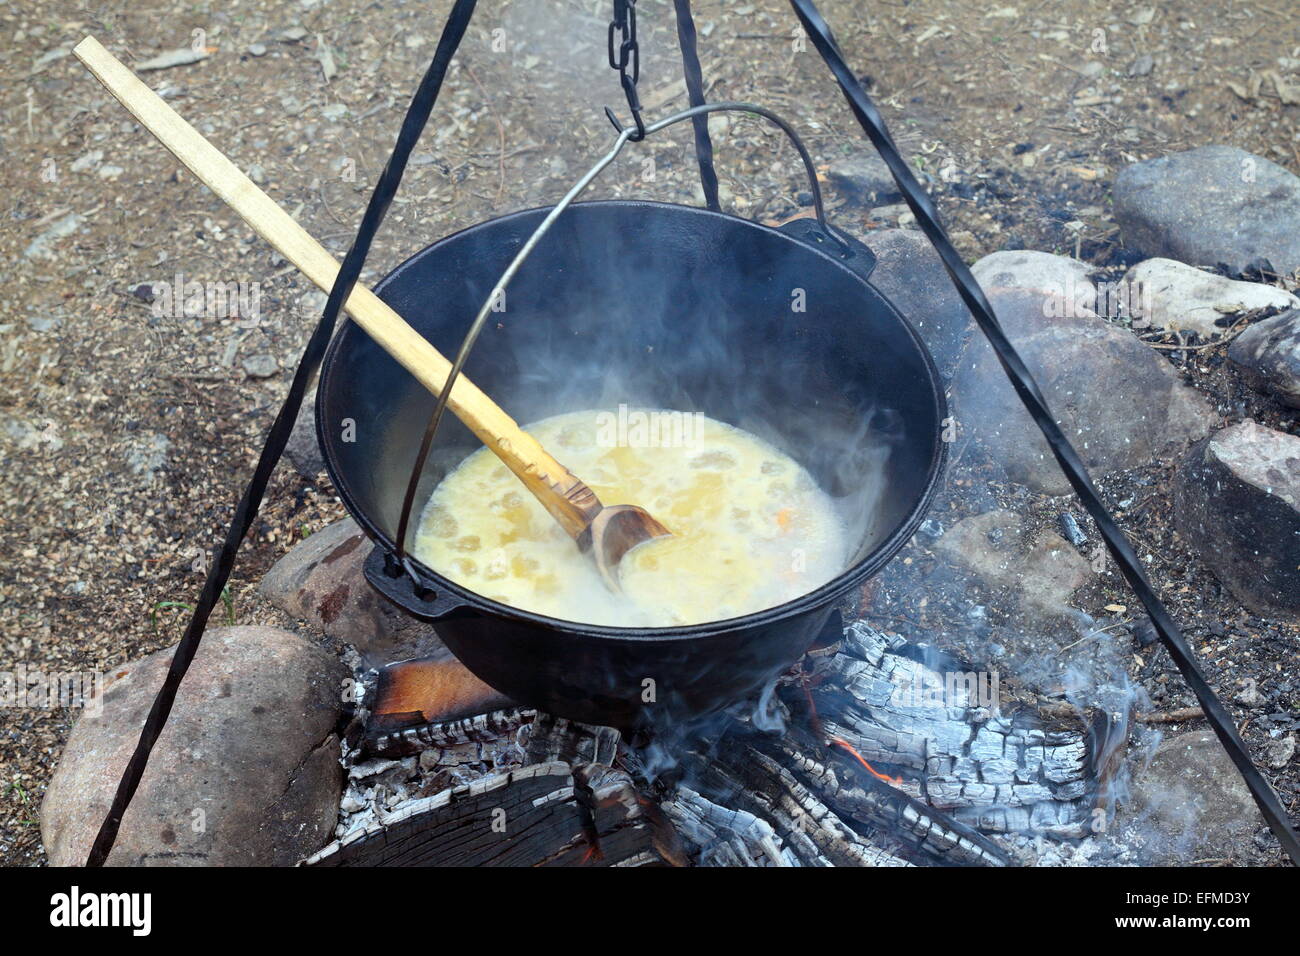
400,585
816,231
809,231
845,249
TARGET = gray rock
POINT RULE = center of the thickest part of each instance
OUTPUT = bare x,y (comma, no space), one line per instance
1278,752
321,581
87,161
303,450
895,214
147,453
911,275
1173,295
165,61
260,366
1190,803
257,49
1118,402
30,435
245,773
864,176
996,547
1026,269
1142,66
1210,206
1249,696
1237,503
1268,355
312,303
42,247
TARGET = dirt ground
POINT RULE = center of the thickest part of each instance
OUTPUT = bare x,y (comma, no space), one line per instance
128,434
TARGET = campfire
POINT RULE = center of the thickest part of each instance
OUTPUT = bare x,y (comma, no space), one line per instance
774,732
865,754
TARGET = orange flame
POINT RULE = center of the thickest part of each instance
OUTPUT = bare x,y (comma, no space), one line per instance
839,741
892,781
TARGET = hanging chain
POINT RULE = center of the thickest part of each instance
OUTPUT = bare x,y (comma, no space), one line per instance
627,60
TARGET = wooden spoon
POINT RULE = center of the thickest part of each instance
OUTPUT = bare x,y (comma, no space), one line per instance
607,533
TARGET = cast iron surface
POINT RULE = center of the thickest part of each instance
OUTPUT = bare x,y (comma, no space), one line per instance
644,304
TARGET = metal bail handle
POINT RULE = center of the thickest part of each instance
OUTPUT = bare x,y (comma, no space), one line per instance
625,134
845,248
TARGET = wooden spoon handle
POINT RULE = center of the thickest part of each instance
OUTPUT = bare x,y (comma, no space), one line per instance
568,500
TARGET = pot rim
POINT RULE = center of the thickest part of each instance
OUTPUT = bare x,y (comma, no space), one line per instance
810,601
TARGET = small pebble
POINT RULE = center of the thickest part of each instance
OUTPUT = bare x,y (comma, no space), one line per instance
1073,533
261,366
1145,634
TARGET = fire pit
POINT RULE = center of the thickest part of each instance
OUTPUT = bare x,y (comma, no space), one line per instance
864,755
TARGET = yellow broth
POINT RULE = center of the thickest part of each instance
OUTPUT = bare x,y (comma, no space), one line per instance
751,529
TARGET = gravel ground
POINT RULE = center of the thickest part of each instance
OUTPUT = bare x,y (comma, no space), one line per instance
128,434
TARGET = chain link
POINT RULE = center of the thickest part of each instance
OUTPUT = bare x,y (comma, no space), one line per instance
626,58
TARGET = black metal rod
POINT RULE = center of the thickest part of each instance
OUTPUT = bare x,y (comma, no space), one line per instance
278,436
1022,381
694,76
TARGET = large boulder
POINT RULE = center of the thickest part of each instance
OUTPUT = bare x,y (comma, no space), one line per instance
245,773
1173,295
1237,503
1268,355
321,581
1190,803
1217,205
1118,402
911,275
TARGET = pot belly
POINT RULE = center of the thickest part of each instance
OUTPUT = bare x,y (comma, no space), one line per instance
646,685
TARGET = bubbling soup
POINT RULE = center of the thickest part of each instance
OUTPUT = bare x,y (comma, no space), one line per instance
751,528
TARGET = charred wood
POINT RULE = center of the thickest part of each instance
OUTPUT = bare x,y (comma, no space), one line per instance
527,817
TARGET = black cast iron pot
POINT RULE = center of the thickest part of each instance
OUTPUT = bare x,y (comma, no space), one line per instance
655,305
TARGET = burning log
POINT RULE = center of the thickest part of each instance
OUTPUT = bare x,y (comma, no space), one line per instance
538,815
992,772
813,833
869,770
430,691
896,816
